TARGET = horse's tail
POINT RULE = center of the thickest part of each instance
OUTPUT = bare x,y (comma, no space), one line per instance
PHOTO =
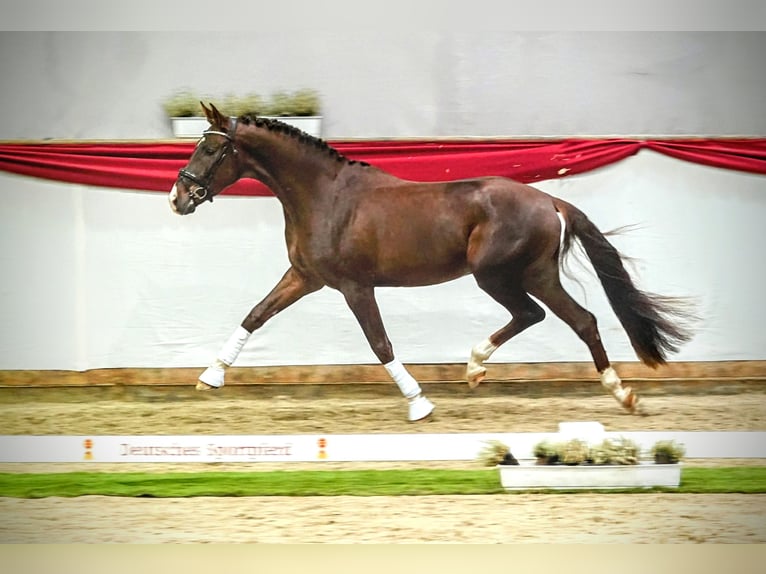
652,322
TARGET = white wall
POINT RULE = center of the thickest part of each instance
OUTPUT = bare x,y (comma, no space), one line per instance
393,82
95,278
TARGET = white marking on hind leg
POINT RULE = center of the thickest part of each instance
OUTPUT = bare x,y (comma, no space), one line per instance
624,395
475,370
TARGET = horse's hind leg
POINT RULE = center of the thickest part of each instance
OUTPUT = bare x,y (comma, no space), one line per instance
524,311
583,323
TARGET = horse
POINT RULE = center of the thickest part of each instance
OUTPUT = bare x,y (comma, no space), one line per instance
353,227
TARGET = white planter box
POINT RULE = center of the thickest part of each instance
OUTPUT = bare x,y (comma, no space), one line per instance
530,476
193,127
189,127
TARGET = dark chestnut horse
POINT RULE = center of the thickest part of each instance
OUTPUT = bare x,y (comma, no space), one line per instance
353,227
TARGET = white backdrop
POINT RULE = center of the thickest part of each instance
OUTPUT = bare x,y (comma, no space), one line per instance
99,278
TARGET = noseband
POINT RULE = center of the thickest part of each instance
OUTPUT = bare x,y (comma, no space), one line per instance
201,192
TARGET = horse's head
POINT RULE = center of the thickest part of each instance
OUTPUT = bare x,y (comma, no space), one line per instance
213,165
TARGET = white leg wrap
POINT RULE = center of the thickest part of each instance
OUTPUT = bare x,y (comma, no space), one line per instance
231,349
408,385
480,353
213,376
610,380
419,406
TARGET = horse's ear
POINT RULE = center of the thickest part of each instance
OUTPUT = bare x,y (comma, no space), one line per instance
216,118
208,113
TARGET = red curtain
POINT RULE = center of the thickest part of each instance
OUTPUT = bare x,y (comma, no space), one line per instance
738,154
154,166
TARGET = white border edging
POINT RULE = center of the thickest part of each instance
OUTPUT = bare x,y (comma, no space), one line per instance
337,448
529,476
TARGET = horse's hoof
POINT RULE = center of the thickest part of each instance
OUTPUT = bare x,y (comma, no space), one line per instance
420,408
630,402
211,378
476,377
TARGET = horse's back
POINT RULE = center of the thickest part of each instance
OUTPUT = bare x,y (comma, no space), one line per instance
410,233
508,210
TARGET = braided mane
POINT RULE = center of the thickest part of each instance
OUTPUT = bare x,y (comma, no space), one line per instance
302,137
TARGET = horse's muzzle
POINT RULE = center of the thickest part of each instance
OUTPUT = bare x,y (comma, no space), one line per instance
181,205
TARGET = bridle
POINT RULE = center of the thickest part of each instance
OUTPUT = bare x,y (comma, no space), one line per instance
201,192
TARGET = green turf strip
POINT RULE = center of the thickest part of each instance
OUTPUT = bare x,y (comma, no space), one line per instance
326,483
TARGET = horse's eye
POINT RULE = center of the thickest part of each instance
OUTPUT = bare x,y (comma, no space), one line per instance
209,150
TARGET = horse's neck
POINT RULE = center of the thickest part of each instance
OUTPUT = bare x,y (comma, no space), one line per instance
298,177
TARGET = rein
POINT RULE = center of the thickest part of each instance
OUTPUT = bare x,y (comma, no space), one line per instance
201,192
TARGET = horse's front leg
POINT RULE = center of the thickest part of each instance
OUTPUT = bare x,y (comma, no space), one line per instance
290,288
362,302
